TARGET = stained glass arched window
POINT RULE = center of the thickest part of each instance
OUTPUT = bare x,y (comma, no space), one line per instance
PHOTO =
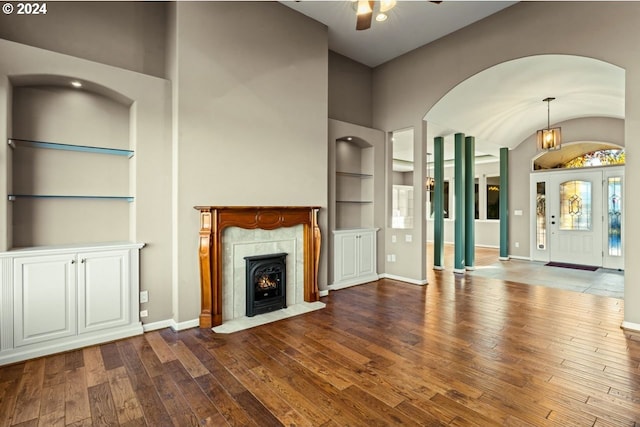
596,158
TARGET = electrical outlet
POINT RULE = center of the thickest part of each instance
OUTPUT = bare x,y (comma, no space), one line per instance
144,296
393,257
393,238
388,258
144,313
517,244
408,238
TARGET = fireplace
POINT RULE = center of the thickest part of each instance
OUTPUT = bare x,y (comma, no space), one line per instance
215,219
266,283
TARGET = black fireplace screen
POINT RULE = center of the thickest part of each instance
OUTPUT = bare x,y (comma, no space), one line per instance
266,283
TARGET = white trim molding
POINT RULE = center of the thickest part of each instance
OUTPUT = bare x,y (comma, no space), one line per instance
631,326
404,279
171,323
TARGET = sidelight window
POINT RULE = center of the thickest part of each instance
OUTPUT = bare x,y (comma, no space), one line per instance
614,202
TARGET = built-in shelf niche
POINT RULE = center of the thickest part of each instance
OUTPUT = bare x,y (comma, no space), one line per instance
354,184
70,167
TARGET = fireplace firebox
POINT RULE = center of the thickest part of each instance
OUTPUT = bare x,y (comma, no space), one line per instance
266,278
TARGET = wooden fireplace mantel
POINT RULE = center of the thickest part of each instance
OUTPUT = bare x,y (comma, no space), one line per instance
214,219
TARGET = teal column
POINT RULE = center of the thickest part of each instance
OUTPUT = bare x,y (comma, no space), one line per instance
470,202
438,203
459,166
504,203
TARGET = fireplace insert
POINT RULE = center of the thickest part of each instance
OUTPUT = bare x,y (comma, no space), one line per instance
266,278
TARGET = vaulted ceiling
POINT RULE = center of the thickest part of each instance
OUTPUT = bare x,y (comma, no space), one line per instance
501,106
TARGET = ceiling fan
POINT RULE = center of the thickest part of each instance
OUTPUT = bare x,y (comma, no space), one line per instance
364,11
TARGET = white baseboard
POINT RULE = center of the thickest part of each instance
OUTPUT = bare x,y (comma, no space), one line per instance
502,258
631,326
404,279
70,343
170,323
323,293
522,258
153,326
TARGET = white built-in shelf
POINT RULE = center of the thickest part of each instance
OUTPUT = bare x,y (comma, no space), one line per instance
13,197
355,201
15,142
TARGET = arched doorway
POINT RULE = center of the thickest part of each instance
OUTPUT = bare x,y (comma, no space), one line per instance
502,107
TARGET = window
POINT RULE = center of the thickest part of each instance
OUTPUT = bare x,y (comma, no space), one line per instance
614,203
575,205
446,200
541,216
493,197
477,197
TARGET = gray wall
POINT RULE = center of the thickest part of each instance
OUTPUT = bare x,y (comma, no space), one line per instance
251,117
406,88
129,35
349,90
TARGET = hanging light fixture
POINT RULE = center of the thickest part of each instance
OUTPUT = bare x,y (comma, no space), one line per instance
550,138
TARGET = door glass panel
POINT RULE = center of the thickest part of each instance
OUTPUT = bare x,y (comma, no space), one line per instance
614,192
541,216
575,205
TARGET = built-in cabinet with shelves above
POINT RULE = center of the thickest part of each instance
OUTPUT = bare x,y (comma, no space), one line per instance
354,236
59,298
69,274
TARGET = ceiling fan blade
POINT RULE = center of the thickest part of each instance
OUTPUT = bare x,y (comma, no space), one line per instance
364,15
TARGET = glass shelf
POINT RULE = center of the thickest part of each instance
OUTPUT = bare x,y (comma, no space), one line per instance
14,142
13,197
354,201
353,174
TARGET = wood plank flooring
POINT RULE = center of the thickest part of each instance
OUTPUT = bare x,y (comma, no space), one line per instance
462,351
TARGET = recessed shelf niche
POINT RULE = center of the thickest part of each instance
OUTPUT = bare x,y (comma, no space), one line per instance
354,184
70,171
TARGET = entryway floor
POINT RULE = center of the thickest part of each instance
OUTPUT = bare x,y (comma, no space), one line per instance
604,282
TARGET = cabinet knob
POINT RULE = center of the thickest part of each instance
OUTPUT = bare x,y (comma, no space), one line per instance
83,260
73,261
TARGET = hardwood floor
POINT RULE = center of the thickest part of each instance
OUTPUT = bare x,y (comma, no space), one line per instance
462,351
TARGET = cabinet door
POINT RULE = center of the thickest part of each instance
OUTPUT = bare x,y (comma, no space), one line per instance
346,247
44,298
103,290
366,253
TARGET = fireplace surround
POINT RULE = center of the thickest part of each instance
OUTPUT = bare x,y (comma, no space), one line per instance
213,221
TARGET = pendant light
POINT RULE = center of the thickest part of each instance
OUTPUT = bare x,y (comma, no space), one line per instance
550,138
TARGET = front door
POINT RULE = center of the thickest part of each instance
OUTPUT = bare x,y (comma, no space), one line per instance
576,217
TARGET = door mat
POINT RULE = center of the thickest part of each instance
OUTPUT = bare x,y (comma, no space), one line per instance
574,266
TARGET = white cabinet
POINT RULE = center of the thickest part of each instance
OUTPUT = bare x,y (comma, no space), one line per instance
57,299
354,257
44,304
103,295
